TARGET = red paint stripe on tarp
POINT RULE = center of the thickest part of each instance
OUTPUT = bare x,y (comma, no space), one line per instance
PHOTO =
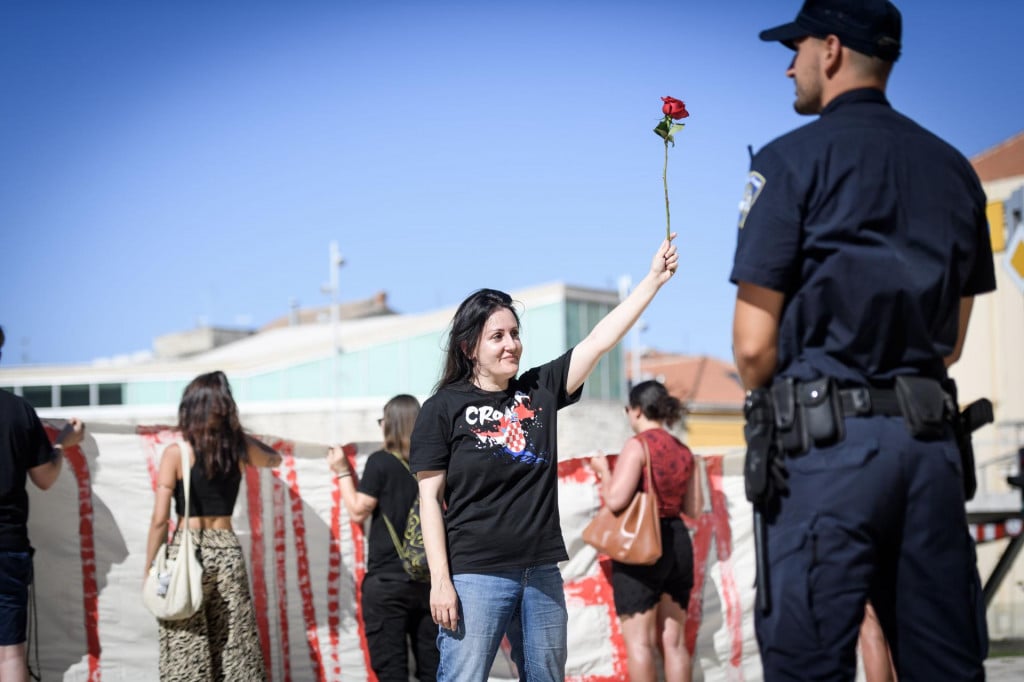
576,471
87,551
702,537
286,448
596,590
723,547
281,574
334,579
257,559
714,527
359,569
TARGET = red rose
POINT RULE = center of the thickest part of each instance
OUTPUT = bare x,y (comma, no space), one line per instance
674,108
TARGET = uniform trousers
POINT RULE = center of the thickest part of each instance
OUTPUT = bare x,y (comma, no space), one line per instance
879,515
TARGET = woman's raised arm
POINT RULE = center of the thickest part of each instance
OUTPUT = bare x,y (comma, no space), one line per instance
610,330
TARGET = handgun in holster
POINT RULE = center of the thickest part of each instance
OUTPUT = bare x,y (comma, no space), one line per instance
762,448
965,421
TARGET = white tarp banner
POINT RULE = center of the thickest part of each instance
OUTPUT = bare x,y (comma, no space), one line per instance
306,560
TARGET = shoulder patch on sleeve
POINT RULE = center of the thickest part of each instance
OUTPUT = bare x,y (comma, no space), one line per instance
755,183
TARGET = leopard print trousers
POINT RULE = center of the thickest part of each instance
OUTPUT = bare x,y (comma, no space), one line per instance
220,642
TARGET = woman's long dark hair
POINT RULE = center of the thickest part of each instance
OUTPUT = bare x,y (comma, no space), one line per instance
655,403
467,326
208,420
399,417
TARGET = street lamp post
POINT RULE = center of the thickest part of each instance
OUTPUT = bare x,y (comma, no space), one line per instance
332,289
625,286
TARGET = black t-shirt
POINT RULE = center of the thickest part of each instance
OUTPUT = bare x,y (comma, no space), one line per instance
500,452
873,228
23,445
386,478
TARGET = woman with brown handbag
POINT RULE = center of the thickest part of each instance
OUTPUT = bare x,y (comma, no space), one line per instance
652,600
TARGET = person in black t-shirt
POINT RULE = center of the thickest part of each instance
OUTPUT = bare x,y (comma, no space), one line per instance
396,608
25,452
485,451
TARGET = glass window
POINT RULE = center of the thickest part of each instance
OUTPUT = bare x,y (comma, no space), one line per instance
38,396
111,394
74,395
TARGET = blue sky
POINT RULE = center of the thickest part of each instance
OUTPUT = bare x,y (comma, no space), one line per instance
163,164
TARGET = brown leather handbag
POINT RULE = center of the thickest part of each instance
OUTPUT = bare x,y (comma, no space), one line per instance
633,535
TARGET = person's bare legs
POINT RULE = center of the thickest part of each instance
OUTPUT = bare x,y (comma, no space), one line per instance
672,630
874,650
13,663
639,631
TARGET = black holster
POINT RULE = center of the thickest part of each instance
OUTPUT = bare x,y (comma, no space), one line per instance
762,450
759,432
925,405
806,413
964,422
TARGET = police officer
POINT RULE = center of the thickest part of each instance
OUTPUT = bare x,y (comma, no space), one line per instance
862,242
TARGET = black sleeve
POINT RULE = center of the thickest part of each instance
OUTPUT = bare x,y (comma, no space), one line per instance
34,447
981,277
372,481
770,225
430,449
553,376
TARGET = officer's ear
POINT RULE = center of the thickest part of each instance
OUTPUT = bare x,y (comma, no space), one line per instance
831,54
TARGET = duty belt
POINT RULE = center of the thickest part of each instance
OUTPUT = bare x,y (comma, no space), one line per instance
864,401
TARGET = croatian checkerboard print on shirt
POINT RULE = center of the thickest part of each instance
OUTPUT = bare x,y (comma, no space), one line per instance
511,433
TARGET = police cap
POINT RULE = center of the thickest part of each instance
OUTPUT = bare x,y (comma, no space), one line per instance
871,27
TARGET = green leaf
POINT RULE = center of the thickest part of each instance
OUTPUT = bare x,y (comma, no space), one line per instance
675,128
663,129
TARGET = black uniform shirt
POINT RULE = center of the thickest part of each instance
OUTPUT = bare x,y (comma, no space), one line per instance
873,229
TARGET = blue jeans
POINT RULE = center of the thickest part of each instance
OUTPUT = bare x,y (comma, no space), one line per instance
527,604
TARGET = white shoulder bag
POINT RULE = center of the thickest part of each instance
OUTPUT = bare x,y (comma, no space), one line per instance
174,587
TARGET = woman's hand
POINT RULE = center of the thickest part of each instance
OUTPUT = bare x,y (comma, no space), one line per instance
665,261
444,603
337,461
599,463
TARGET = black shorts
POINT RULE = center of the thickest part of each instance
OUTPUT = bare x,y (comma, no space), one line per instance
15,577
639,588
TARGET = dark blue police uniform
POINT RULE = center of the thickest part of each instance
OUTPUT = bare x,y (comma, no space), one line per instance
873,229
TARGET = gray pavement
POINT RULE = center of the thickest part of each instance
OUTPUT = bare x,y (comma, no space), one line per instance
1005,669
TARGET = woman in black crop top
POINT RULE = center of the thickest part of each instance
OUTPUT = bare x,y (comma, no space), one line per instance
220,642
396,608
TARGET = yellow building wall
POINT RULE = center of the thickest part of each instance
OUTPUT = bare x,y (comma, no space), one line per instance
711,431
996,215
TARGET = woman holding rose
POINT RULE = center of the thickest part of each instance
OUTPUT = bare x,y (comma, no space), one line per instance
484,450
